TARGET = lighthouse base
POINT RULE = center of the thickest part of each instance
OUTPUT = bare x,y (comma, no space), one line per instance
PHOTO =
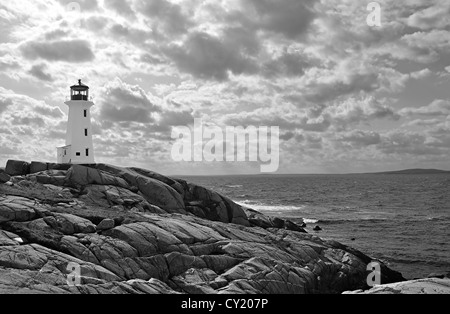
64,154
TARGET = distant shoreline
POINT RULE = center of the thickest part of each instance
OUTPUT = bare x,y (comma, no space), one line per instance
404,172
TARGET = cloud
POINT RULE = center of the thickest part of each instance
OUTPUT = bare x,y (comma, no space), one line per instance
418,75
38,71
126,103
431,17
290,18
438,107
208,57
5,150
75,51
355,111
359,138
48,111
341,86
286,65
131,114
164,16
408,143
8,63
121,7
85,5
4,103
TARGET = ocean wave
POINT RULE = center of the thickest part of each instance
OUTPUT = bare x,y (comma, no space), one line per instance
351,220
310,221
269,208
244,196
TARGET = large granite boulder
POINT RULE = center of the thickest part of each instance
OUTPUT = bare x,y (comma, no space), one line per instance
156,192
16,209
4,177
36,167
17,168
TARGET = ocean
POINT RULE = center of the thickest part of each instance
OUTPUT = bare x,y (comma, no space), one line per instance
403,220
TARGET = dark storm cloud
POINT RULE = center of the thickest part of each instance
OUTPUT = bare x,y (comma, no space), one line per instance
291,18
126,103
56,34
165,17
126,114
66,50
38,71
130,34
208,57
120,6
287,64
170,119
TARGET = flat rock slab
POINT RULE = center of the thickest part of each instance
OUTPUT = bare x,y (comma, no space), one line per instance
9,239
422,286
16,209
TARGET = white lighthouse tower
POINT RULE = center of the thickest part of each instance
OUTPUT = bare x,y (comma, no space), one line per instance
79,148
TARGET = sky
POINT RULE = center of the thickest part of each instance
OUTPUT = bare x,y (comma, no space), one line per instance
347,97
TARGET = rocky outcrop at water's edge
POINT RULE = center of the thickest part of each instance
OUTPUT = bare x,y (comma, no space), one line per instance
131,230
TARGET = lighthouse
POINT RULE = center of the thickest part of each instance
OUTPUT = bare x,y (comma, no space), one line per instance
79,148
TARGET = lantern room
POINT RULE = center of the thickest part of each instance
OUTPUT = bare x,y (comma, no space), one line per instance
79,92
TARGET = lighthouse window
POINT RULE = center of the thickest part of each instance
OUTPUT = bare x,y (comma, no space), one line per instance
85,113
87,152
85,132
78,154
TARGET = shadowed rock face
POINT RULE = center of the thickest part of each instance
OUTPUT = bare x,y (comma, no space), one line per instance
134,231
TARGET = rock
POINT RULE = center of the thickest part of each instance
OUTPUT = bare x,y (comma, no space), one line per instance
219,208
9,239
17,168
36,167
317,228
289,225
25,183
422,286
64,167
83,176
70,224
439,275
155,192
4,177
16,209
158,235
148,239
106,224
179,263
277,222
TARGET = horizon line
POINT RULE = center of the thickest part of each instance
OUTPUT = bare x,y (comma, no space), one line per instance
308,174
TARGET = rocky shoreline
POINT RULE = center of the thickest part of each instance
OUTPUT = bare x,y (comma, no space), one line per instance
133,231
